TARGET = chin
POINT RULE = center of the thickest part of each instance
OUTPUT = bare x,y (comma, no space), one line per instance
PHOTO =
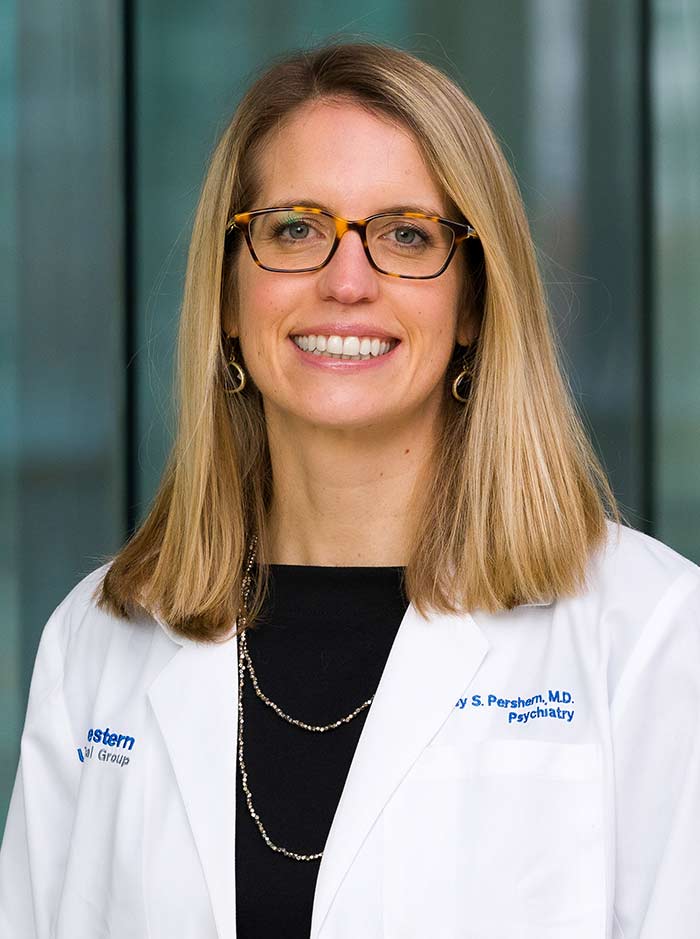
360,420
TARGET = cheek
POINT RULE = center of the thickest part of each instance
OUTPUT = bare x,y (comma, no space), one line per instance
440,323
266,308
438,317
260,306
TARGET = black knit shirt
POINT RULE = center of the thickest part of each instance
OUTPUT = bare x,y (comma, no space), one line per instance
318,650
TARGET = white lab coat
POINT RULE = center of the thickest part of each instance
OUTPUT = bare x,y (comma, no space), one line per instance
528,775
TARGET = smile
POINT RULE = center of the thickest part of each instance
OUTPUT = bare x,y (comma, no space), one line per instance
355,348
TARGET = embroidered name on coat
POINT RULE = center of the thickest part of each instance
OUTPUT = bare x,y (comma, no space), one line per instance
521,710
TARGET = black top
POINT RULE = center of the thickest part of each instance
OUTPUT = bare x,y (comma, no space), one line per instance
318,651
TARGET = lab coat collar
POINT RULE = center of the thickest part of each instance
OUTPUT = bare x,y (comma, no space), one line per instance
430,664
195,703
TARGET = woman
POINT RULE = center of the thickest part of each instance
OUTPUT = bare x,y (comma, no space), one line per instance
381,661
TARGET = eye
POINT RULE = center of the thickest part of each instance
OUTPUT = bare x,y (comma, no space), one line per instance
288,227
407,235
297,229
400,233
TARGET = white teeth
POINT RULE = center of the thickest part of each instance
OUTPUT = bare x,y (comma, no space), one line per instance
350,348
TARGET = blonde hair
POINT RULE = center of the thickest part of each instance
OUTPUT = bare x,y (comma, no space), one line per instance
515,499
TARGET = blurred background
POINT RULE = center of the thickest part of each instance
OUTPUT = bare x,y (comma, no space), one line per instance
109,111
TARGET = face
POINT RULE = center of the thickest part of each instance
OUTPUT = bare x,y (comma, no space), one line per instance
353,164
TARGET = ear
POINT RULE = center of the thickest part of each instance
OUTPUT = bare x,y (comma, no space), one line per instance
229,326
467,327
229,304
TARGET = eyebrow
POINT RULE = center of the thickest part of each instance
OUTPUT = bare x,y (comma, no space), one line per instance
313,204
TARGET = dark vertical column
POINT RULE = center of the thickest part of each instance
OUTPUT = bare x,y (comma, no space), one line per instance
606,338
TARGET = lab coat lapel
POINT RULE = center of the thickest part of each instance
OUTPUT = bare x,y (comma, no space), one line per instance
195,703
430,664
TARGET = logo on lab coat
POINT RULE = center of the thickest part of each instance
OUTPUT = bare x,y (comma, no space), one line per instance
113,749
520,710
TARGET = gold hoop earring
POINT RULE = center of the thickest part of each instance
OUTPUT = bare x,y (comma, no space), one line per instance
239,373
465,376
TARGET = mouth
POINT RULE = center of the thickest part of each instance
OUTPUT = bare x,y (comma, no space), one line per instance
349,348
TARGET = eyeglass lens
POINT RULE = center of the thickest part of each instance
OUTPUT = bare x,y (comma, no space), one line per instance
292,241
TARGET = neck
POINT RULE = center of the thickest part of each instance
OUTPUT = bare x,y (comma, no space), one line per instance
345,497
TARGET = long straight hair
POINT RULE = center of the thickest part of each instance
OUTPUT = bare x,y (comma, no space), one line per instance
513,501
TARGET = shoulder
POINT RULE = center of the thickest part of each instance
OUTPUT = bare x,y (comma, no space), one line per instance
633,571
647,599
628,552
79,638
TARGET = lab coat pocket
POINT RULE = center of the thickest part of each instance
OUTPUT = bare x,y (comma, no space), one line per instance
497,839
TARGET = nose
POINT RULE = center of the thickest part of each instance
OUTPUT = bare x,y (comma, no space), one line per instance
349,277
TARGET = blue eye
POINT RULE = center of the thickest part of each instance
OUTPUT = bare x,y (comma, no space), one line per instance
409,236
289,225
297,229
411,232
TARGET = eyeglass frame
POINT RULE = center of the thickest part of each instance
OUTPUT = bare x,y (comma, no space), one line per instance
241,221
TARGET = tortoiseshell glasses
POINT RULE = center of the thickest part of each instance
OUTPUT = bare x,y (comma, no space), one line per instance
298,238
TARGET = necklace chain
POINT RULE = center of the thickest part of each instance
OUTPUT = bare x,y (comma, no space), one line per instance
245,662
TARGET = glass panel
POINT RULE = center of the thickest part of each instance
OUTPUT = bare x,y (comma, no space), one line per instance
62,368
676,104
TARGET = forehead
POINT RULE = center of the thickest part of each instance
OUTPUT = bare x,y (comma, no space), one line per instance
346,158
